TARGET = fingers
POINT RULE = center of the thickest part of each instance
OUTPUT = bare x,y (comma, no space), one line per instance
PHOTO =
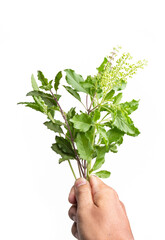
83,193
72,213
102,193
72,197
74,230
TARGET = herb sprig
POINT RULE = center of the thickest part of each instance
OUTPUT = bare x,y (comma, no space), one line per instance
87,136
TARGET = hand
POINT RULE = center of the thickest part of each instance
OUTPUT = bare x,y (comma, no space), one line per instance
97,212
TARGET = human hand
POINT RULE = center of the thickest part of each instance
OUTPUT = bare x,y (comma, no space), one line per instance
97,212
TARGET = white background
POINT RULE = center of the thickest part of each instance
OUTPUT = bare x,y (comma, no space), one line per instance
51,36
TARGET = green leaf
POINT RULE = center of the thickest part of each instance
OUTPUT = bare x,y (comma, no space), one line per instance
47,87
57,80
130,107
34,83
82,122
124,123
64,156
109,95
114,135
96,115
117,98
84,147
113,148
32,105
53,126
71,113
73,92
41,78
65,146
103,174
47,98
100,159
103,134
89,85
90,134
74,80
102,66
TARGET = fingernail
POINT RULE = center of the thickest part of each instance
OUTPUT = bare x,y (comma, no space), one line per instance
79,182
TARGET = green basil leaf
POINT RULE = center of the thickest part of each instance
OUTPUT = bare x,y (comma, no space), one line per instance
117,98
103,134
102,66
64,156
103,174
57,80
96,115
34,83
113,148
33,105
47,98
100,159
109,95
41,78
114,135
124,123
73,92
130,107
74,80
65,146
53,126
84,147
82,122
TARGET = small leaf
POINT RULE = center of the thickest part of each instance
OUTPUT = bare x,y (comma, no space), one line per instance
34,83
109,95
73,92
57,80
32,105
124,123
41,78
103,174
74,80
82,122
101,150
47,98
84,147
117,98
96,115
90,134
47,87
56,149
130,107
71,113
113,148
53,126
65,146
114,135
103,134
102,66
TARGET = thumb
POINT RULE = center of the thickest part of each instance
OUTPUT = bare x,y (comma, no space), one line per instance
83,193
99,191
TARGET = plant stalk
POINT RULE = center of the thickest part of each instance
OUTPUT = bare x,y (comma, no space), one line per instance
72,169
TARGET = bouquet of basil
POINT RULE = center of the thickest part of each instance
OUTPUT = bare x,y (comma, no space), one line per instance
87,136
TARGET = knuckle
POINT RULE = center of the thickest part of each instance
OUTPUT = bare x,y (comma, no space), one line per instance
72,211
74,229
